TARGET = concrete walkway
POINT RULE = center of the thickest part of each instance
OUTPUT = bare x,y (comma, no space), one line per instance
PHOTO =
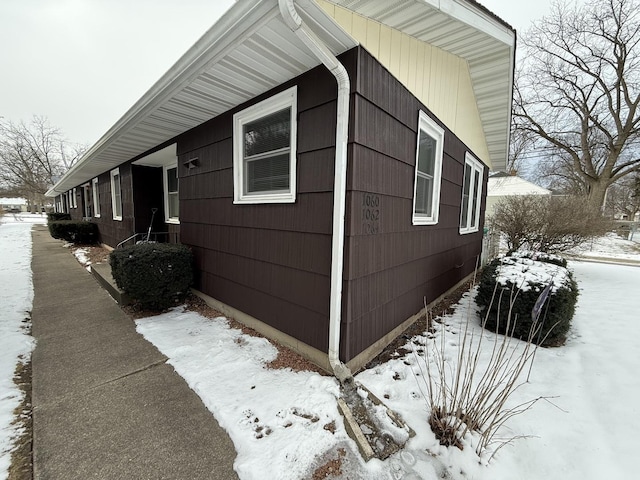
105,403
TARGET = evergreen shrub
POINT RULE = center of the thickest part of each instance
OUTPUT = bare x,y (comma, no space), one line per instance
74,231
155,275
509,288
55,216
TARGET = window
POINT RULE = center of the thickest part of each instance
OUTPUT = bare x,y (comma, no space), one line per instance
171,199
426,194
87,204
116,194
471,192
96,198
264,151
74,201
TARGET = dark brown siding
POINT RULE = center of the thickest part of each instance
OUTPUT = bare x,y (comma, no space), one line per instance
391,266
114,231
270,261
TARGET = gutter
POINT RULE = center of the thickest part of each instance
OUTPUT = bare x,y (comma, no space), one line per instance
329,60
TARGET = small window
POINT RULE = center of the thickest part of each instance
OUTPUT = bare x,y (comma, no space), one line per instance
96,198
171,199
116,194
74,201
264,153
426,197
471,195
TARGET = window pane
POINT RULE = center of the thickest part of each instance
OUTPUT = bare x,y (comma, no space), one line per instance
424,195
474,200
268,174
172,179
174,204
464,217
426,154
271,132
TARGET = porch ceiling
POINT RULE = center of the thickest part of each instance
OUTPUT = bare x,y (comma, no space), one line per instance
250,51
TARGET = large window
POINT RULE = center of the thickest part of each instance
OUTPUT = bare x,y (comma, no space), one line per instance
171,199
96,197
116,194
471,195
264,151
426,197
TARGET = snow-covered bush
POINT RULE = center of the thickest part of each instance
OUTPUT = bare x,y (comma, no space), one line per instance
509,289
155,275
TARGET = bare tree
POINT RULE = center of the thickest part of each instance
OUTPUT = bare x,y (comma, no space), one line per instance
579,91
32,156
624,197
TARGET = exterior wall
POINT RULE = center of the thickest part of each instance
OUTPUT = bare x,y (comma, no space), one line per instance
270,261
392,266
114,231
440,80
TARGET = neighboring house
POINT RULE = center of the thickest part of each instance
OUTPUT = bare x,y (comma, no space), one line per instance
326,162
13,205
503,185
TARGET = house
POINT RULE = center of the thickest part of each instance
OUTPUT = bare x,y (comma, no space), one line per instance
326,161
13,205
502,185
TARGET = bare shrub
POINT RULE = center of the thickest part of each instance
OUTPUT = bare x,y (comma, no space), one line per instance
547,224
466,393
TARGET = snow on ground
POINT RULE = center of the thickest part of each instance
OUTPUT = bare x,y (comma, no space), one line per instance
16,297
587,429
610,246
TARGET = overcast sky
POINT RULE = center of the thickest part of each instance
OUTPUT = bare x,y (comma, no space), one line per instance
84,63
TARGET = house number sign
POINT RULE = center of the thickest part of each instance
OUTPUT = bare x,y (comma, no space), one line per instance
370,213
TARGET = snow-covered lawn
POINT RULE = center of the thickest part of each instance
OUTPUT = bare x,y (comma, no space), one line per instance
610,246
16,297
587,430
284,424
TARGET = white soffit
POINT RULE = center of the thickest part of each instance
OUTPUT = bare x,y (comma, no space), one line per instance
247,52
250,50
466,29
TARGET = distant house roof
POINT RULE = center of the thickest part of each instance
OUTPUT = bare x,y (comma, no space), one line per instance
251,50
501,185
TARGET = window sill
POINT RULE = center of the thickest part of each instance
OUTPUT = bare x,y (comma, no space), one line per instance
424,221
257,199
468,230
172,221
119,219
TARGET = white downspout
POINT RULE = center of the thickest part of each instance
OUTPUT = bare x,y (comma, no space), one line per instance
320,50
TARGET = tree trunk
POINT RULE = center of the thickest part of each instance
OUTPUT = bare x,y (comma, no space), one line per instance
598,193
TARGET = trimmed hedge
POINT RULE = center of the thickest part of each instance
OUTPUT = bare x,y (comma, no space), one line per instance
523,277
74,231
55,216
155,275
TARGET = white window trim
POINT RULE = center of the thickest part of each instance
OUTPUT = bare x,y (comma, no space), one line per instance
476,166
114,172
165,183
282,100
429,126
96,197
74,201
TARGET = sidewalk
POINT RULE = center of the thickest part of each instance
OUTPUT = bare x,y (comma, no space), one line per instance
105,403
